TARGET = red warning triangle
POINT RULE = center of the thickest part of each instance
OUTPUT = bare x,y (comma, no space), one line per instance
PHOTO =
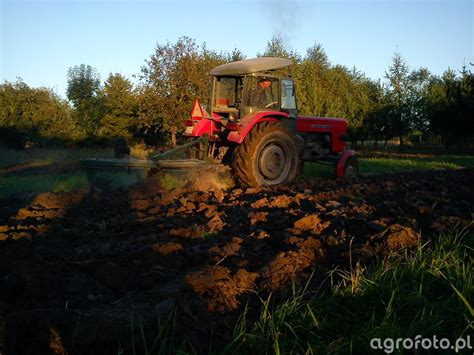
196,112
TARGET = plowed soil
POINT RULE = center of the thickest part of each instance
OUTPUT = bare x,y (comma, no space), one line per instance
81,273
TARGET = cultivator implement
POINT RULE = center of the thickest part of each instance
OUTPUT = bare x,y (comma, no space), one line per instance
192,155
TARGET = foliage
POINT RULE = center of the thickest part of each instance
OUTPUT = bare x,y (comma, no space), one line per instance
30,116
398,95
84,92
276,48
336,91
235,56
451,106
378,124
174,76
120,108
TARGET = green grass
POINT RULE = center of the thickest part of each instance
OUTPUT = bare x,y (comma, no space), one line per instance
10,157
38,182
416,148
425,292
30,183
62,182
394,165
370,166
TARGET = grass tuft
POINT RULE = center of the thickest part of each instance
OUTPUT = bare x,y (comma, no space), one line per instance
422,292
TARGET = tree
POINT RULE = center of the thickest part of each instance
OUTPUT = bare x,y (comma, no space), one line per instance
419,99
378,123
398,95
33,115
334,91
451,107
317,55
310,76
120,107
276,48
465,121
235,56
174,76
83,91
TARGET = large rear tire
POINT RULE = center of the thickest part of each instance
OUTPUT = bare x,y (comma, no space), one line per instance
267,156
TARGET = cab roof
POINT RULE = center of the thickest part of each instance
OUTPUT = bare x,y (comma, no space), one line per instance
249,66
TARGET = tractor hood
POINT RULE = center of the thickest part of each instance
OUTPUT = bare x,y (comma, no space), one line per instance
249,66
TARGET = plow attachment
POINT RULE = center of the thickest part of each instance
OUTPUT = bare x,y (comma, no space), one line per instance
190,156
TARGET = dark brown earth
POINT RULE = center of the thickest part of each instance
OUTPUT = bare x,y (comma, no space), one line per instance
81,273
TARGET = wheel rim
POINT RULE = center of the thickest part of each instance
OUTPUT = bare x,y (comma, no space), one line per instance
273,163
350,171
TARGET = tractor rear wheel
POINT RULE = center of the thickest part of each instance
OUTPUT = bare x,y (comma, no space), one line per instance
267,156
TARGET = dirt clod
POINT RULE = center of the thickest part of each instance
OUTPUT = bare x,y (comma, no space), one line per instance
220,287
311,223
86,265
167,248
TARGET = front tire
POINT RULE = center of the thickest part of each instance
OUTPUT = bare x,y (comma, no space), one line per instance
351,168
267,156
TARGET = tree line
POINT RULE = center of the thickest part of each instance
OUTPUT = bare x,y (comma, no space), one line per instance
406,104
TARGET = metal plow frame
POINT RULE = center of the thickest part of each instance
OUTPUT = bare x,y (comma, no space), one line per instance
168,160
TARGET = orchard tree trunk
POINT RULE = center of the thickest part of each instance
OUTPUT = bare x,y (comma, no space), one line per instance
173,137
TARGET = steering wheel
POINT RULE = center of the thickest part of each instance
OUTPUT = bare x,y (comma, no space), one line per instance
271,104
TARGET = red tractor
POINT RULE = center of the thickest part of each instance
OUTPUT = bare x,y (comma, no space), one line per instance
252,127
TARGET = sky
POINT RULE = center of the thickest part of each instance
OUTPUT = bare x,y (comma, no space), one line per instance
41,40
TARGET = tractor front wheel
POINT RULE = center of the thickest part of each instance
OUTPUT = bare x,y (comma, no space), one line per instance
351,168
267,156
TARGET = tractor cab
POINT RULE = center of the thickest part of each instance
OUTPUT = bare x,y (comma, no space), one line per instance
255,85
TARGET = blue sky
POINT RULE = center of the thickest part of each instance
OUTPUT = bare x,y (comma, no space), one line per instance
40,40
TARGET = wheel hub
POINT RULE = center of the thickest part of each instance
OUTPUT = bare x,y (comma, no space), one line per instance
272,162
349,171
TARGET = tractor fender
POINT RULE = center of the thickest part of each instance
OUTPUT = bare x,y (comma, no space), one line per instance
342,162
251,120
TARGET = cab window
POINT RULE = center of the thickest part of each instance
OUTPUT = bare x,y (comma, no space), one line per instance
226,95
263,93
288,100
